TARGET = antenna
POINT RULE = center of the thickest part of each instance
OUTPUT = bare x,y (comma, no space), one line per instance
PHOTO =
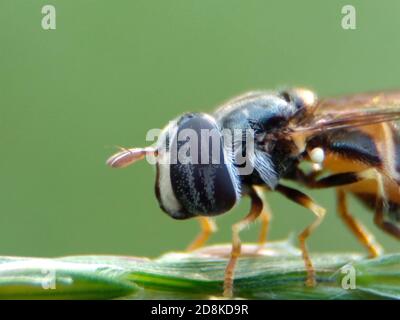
127,157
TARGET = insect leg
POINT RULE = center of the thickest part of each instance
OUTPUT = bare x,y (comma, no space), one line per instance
355,226
308,203
342,179
381,203
255,211
345,178
379,212
265,218
208,226
386,226
334,180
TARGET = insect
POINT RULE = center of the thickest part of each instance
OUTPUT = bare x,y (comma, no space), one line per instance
351,142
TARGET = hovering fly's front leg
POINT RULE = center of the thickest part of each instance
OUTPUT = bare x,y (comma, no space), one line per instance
308,203
208,226
255,211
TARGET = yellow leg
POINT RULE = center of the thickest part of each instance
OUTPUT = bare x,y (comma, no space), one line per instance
265,218
303,236
308,203
356,227
208,226
255,211
381,200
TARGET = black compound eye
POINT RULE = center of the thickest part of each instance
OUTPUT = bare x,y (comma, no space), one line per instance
202,178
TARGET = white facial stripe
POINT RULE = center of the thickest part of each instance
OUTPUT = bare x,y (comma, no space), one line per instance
167,196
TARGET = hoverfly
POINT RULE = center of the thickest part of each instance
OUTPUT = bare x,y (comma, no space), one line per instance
351,142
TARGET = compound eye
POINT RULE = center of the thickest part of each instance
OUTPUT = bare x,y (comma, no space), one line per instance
203,177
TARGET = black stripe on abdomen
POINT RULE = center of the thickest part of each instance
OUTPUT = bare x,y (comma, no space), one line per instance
352,144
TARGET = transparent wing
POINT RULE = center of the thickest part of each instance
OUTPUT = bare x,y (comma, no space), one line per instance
355,110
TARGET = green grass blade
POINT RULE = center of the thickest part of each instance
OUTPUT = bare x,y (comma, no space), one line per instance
275,272
53,279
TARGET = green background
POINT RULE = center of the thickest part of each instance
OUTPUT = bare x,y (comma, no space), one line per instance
114,69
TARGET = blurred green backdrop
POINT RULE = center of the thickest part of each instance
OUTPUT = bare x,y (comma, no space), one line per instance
114,69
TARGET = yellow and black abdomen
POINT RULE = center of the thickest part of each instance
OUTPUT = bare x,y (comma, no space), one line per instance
357,149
